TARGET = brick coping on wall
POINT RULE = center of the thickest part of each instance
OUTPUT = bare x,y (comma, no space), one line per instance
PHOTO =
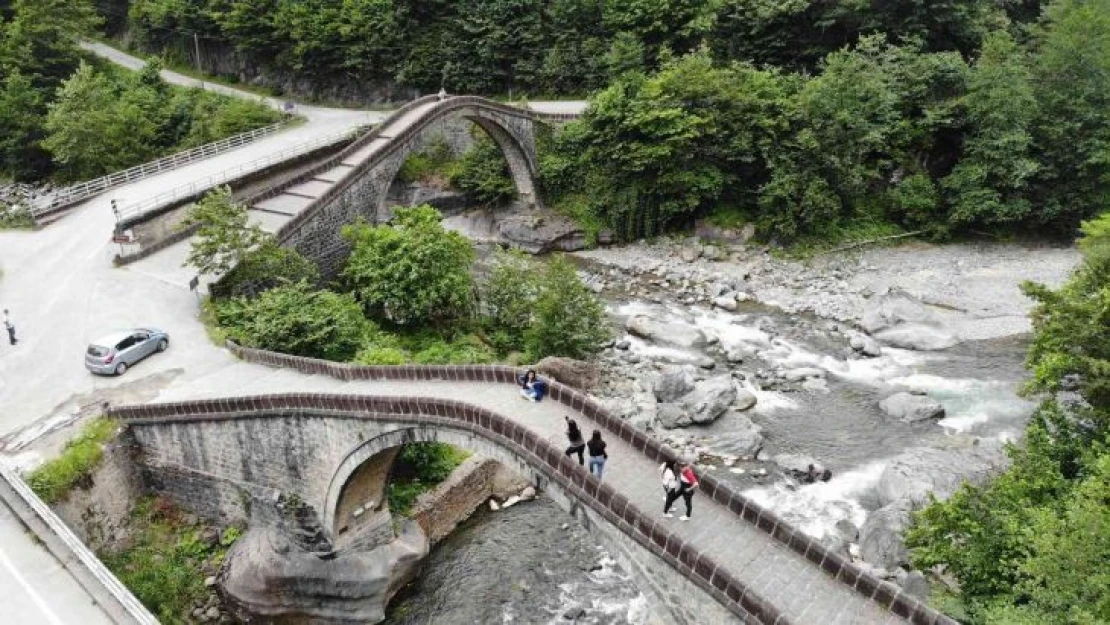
615,508
886,594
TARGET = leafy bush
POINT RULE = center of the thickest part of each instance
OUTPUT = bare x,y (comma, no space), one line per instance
417,469
411,271
295,319
432,161
569,319
265,267
54,479
508,298
483,174
225,237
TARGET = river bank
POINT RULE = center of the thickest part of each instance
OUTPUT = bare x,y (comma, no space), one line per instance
896,368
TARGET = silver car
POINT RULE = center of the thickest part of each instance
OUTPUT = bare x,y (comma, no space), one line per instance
114,353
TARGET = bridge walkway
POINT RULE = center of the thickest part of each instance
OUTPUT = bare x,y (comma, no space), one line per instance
803,592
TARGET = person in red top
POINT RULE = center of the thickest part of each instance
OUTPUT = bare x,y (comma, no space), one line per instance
687,484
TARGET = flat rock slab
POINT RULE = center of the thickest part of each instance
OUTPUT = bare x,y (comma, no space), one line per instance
312,188
334,174
270,222
283,204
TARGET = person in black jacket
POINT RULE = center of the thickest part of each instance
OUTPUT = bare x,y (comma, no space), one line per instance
597,454
577,442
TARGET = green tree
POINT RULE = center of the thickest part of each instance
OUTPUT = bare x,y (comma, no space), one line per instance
569,320
264,267
296,319
92,131
41,39
1071,80
224,236
22,116
483,174
508,297
410,271
990,182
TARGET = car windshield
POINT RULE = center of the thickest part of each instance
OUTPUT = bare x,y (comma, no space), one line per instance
98,351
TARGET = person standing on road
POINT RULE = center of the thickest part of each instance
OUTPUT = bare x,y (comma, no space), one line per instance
577,442
669,473
597,454
687,484
10,327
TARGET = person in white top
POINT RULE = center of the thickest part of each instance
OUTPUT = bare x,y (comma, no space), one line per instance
668,471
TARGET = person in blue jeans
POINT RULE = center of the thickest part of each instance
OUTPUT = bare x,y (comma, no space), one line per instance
531,386
598,456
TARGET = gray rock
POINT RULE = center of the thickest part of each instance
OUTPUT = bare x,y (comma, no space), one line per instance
672,416
846,530
796,465
689,254
676,334
893,308
710,399
210,581
212,613
913,583
802,373
744,399
671,385
865,345
711,252
577,373
528,494
741,438
911,408
917,336
726,302
915,473
880,538
623,344
747,232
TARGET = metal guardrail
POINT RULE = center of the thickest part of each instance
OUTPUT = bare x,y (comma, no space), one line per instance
111,595
84,190
137,209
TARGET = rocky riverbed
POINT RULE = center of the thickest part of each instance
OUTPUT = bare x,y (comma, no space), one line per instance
895,368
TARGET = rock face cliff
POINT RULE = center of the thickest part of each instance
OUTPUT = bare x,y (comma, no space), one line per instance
269,575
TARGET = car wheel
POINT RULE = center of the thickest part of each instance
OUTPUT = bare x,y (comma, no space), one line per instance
162,345
121,368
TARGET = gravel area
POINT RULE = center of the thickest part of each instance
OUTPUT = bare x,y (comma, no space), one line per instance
973,290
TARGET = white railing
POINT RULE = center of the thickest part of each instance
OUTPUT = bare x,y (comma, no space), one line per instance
76,193
132,211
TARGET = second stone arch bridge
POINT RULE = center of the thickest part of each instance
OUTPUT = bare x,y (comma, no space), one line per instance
328,444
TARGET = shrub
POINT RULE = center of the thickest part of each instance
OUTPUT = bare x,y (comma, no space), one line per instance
509,297
267,266
483,174
295,319
569,320
225,236
54,479
418,468
411,271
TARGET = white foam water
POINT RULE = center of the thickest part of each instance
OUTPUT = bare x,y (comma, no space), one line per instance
816,508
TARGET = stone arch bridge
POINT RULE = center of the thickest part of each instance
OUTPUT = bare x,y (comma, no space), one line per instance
355,183
306,459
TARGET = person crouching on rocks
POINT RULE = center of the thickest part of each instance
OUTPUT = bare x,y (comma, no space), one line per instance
531,386
577,442
687,484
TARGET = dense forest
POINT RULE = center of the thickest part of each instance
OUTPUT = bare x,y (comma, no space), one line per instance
70,118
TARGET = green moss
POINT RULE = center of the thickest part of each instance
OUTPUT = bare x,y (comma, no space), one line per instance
15,217
167,561
54,479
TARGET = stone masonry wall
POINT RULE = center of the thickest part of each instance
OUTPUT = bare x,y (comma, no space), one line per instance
98,509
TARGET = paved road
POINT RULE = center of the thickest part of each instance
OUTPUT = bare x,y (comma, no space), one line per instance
35,589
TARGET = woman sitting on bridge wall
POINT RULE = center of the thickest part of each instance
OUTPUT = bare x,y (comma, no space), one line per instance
531,386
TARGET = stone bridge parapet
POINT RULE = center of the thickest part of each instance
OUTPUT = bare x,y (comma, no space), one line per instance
886,595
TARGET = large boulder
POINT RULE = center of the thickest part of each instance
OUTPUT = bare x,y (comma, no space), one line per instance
740,436
671,385
865,345
710,399
880,538
917,336
910,408
675,334
268,577
894,307
577,373
671,416
744,399
915,473
796,465
539,233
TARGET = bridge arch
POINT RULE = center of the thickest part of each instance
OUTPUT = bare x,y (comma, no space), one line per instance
367,168
361,480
